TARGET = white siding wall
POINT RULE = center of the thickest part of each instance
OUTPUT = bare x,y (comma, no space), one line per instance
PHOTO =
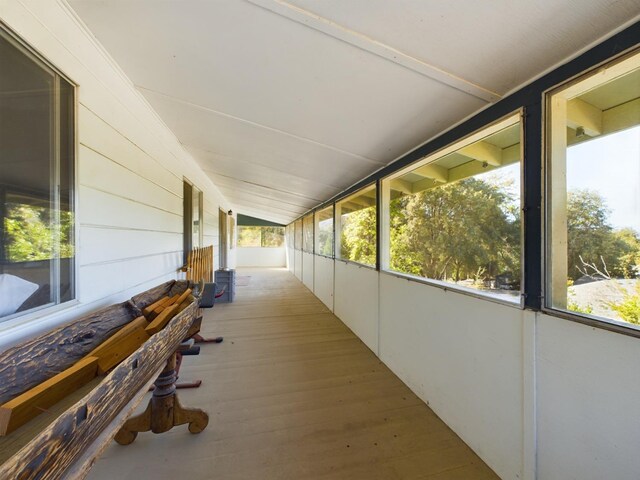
130,170
261,257
535,396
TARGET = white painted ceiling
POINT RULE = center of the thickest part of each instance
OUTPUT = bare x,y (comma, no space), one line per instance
286,104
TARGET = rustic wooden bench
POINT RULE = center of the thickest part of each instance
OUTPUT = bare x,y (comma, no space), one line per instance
69,445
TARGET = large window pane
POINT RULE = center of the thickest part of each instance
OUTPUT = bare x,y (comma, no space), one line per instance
36,183
298,234
455,218
265,237
356,227
249,237
593,194
324,232
290,235
307,228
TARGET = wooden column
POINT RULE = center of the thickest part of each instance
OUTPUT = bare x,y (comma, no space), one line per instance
557,184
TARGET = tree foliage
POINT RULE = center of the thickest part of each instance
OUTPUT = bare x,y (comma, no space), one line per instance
260,236
592,240
358,237
31,234
464,230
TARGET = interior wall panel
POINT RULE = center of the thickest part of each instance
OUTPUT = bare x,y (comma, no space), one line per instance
588,425
307,270
463,357
356,301
261,257
323,280
297,264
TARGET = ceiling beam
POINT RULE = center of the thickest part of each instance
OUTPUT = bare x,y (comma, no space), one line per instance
581,114
375,47
621,117
435,172
402,186
484,152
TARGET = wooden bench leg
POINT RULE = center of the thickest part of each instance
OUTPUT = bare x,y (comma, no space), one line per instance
196,418
164,410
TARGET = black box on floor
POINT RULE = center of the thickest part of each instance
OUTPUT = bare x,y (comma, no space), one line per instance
226,279
208,297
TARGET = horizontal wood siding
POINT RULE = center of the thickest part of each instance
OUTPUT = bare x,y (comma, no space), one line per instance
130,170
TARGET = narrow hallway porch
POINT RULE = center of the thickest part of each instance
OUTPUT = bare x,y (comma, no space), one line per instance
292,393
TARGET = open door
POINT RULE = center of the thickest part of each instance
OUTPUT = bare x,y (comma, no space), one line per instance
224,236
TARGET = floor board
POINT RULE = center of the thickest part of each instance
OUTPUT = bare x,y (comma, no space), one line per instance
293,394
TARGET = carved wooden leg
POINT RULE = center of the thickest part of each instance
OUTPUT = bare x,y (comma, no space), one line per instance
164,410
196,418
131,428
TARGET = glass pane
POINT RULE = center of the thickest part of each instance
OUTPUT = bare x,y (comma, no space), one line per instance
307,227
249,236
290,235
324,232
357,232
29,234
67,181
594,185
456,219
272,237
298,234
196,217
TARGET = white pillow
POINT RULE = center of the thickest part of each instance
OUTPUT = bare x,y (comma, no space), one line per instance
13,292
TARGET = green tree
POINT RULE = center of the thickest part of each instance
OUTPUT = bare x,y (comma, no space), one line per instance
467,229
325,237
31,234
592,240
358,238
272,237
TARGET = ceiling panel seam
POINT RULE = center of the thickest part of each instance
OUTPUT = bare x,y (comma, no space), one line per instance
249,205
253,194
375,47
267,201
266,186
106,56
259,125
275,170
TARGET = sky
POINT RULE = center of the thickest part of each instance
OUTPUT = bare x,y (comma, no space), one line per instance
610,165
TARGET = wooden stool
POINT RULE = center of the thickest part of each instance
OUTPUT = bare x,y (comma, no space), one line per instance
164,410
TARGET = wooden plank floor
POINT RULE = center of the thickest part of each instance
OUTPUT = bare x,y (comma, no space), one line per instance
293,394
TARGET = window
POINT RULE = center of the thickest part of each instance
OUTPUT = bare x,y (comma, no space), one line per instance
192,211
290,235
324,232
307,236
265,237
298,234
356,227
37,151
593,185
455,217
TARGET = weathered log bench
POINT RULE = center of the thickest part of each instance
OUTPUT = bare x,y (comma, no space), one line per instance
68,446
